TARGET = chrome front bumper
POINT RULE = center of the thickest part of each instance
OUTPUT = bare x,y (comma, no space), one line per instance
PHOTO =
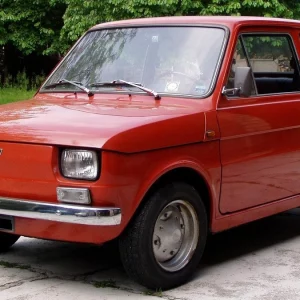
75,214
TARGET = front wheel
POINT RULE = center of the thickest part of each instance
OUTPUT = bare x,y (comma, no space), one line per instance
7,240
164,243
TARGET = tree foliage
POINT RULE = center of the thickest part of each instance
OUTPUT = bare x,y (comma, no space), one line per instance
266,8
51,26
80,15
31,26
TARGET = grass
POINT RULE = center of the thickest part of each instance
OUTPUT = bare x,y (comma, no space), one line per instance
8,95
105,284
157,293
7,264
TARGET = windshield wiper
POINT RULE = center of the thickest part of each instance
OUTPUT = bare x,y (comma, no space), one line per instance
123,82
75,83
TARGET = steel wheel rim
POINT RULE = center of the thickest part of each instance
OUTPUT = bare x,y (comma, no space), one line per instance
176,235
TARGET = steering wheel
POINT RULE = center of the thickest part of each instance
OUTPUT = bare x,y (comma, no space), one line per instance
190,88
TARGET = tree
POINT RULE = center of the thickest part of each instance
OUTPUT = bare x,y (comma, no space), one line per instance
51,26
29,30
81,15
266,8
32,26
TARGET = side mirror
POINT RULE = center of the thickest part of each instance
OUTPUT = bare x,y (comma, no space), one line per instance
242,83
243,80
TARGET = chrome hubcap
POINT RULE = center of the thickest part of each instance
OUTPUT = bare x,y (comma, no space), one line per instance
175,235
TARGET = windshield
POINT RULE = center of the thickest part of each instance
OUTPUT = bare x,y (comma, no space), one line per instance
168,60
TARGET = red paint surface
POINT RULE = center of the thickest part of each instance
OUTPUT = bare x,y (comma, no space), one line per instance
251,166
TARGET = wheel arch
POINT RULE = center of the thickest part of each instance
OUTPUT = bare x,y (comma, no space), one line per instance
187,175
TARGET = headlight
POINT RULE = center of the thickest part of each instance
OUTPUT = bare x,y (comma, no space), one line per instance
80,164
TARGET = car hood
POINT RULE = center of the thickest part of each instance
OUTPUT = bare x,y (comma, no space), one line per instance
114,123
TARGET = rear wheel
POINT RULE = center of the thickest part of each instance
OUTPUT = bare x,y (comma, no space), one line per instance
164,243
7,240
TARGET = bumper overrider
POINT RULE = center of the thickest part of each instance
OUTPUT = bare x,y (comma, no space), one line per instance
74,214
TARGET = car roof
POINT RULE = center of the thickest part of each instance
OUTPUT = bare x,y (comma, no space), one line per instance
227,21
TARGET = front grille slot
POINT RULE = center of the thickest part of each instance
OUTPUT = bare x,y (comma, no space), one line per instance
6,223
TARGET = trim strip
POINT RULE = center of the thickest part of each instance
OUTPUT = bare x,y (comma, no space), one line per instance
74,214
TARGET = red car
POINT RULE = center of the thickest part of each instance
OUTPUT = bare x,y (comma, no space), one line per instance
156,132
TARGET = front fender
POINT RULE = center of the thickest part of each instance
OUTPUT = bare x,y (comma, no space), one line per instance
170,132
132,175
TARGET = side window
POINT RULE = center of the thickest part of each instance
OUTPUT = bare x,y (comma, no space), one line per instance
275,68
273,63
269,54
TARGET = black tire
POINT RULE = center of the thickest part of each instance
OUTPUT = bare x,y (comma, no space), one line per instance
7,240
136,244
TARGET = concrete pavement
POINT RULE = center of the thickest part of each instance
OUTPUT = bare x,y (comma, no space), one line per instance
255,261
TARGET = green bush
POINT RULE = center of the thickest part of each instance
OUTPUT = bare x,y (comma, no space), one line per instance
21,81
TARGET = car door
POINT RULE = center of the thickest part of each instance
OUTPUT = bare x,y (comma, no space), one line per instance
260,135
